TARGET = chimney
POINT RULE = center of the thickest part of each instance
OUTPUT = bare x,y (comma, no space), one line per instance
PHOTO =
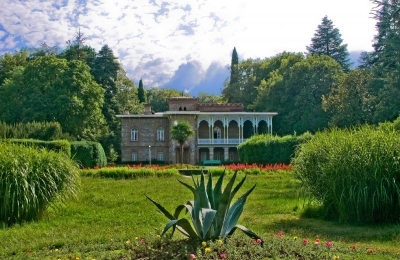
147,109
126,112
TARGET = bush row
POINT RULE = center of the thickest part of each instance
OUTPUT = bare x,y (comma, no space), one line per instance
268,149
85,153
128,173
31,130
62,146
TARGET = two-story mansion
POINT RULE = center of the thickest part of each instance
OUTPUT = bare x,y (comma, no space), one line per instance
218,128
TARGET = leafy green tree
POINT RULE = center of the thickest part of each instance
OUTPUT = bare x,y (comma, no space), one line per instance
158,97
52,89
77,50
308,82
181,131
209,98
9,62
327,40
127,96
105,71
244,90
294,90
351,103
141,94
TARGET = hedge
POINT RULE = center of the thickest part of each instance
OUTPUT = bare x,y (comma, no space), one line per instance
62,146
88,154
268,149
32,130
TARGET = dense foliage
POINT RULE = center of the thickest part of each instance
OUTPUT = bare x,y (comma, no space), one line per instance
268,149
62,146
88,154
31,179
353,173
32,130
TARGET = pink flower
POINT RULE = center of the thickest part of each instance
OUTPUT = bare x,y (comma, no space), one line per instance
143,240
316,241
259,240
192,256
222,256
329,244
305,241
280,234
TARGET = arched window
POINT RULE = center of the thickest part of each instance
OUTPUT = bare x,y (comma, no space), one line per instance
134,134
217,133
160,134
184,108
180,108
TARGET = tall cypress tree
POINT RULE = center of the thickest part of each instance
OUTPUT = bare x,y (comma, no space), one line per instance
230,91
327,40
234,67
141,95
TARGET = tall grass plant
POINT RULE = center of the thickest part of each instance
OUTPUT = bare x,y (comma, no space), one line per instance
354,173
31,179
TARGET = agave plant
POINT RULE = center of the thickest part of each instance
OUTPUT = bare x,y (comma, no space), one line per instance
211,212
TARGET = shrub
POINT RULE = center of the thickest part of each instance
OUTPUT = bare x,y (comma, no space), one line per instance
58,146
30,179
354,173
88,154
268,149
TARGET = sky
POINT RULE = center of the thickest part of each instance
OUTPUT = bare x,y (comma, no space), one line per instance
184,44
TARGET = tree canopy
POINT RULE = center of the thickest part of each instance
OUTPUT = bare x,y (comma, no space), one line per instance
328,41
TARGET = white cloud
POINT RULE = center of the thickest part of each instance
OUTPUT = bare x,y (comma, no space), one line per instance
142,33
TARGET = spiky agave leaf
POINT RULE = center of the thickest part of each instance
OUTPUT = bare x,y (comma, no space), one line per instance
182,225
245,230
234,213
224,204
185,230
206,220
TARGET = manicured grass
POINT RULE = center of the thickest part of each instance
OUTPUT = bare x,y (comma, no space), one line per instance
108,213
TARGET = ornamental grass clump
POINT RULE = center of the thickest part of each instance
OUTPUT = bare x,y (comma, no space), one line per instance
211,212
353,173
31,179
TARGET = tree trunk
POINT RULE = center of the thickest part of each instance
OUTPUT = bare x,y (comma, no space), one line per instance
181,155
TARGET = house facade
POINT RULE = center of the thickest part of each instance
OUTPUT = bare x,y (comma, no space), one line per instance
219,129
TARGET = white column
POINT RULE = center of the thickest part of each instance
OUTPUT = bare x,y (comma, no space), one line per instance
241,133
226,153
212,130
211,149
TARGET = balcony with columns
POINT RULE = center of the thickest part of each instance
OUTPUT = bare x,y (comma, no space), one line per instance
233,129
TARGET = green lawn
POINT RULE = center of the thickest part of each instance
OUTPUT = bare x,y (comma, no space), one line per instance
109,212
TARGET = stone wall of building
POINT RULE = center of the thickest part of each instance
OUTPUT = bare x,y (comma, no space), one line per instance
147,136
182,104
